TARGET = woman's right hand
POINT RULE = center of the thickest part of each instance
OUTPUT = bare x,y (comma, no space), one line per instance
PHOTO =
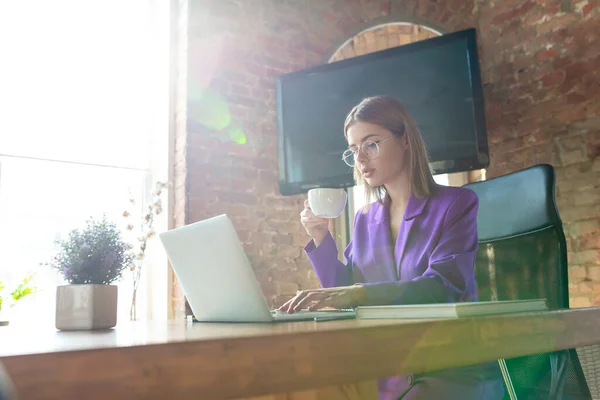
316,227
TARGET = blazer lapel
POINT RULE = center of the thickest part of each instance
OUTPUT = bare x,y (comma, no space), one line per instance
414,208
381,244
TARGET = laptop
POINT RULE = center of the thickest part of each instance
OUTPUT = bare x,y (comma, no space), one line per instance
218,280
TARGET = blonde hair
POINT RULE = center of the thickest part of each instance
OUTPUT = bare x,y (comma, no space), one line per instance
390,114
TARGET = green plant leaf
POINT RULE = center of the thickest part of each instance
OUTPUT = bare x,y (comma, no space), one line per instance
1,288
21,292
95,254
23,289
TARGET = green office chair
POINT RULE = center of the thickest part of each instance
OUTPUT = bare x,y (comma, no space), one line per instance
523,255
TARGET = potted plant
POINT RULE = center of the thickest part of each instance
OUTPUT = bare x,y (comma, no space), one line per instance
8,301
90,259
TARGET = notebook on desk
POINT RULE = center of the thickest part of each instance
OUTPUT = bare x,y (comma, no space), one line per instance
450,310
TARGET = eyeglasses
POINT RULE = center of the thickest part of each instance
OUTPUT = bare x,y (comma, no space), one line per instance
370,149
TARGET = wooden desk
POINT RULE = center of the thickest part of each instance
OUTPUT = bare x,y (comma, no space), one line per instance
179,360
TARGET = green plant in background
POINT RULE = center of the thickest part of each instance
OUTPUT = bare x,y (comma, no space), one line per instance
22,290
94,255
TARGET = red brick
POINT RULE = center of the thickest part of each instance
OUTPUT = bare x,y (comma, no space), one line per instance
237,197
534,16
284,274
585,287
562,62
573,287
263,163
588,8
539,109
239,89
455,5
553,79
577,70
580,301
581,213
587,198
577,273
576,98
385,8
546,54
591,242
572,148
283,239
446,16
237,210
328,16
514,144
583,228
586,257
516,12
286,288
555,22
594,275
570,244
571,114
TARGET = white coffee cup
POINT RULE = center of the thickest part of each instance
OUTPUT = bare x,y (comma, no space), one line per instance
327,202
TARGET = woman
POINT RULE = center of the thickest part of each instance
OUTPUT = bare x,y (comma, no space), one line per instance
415,244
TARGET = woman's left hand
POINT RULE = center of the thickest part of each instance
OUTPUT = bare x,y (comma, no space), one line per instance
335,297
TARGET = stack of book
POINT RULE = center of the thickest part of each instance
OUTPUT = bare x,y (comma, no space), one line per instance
450,310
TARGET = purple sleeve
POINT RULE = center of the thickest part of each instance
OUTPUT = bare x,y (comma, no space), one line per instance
324,259
450,276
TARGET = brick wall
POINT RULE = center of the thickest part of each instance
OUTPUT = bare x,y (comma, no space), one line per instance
180,184
237,48
540,62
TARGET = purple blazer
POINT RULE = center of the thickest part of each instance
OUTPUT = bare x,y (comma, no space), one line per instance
437,241
435,252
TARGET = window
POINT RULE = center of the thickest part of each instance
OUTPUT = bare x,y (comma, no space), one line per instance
357,193
84,126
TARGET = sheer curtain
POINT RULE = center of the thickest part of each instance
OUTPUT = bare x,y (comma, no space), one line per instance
83,104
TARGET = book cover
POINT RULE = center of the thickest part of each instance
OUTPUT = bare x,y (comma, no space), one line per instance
450,310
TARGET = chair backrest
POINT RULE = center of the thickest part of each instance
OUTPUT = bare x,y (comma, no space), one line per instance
522,255
522,252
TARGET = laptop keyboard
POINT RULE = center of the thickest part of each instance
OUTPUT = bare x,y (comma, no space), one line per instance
310,315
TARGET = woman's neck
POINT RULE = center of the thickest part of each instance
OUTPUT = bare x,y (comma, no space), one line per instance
399,191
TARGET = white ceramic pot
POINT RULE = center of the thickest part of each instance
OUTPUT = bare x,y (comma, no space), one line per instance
86,307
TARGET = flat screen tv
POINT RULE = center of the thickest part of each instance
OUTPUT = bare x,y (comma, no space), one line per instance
437,79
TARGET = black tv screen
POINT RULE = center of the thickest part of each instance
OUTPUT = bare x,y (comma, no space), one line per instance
437,79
